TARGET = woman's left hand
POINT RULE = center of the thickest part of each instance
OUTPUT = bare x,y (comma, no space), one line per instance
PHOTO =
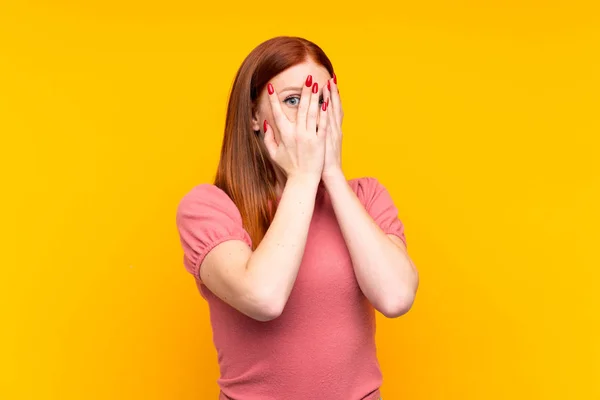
333,139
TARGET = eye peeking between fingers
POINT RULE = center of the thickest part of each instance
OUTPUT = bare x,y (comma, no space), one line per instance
294,100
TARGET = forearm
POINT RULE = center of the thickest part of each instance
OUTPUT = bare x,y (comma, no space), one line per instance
274,264
383,270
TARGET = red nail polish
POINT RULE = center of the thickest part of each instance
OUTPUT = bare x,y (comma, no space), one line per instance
334,79
265,126
270,89
315,88
309,81
324,106
327,102
329,85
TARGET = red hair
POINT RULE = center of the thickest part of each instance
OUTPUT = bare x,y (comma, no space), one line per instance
246,172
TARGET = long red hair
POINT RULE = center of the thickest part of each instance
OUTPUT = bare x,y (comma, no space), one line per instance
246,172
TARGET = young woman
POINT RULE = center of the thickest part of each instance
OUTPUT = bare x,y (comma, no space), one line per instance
291,257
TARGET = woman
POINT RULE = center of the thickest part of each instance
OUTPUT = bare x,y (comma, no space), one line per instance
291,257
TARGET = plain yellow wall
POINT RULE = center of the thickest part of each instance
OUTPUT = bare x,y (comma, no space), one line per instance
482,120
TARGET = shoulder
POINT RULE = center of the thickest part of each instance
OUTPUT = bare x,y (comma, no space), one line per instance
365,182
207,199
366,188
206,217
379,204
204,191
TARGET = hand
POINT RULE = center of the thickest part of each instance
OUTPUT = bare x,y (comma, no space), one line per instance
333,142
302,148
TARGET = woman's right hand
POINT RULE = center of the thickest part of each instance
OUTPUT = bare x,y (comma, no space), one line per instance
301,151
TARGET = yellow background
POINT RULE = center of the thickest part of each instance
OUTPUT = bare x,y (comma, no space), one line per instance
481,118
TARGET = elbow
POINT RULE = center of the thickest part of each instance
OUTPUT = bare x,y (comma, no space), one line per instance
398,305
267,309
266,314
402,301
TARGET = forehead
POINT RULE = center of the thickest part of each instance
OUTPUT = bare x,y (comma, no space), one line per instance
298,73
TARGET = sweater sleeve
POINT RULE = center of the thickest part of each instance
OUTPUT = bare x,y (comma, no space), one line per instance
207,217
380,206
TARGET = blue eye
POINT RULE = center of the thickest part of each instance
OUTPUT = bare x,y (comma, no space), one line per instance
295,100
292,101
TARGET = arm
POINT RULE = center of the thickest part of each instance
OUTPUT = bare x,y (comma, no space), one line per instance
383,269
259,283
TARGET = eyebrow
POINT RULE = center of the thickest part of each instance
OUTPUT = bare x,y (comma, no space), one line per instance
297,88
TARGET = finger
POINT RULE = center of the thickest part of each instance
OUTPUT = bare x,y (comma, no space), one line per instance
323,119
304,102
313,109
278,115
269,139
335,100
333,127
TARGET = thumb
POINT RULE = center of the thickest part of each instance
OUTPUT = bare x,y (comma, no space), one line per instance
269,139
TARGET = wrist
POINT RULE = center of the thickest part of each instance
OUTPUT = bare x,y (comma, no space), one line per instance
306,180
333,176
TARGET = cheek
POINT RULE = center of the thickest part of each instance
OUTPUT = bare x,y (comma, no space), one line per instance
266,113
290,113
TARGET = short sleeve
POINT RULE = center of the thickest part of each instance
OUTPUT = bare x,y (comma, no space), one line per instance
207,217
380,206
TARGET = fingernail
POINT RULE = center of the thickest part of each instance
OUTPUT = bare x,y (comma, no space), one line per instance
270,89
329,85
265,126
308,81
327,102
315,88
334,79
324,106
